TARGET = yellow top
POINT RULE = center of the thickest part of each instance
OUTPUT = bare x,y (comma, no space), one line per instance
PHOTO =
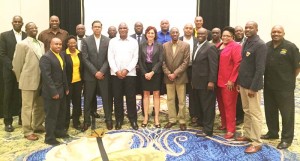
76,64
59,59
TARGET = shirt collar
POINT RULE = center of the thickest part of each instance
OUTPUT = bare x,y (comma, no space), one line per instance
54,52
68,51
202,43
17,33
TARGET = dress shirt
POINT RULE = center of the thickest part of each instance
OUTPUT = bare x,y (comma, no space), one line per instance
79,40
149,53
163,38
97,40
37,47
61,62
123,54
76,65
18,36
198,48
191,42
47,35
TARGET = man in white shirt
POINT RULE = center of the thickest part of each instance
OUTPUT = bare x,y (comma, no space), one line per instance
122,58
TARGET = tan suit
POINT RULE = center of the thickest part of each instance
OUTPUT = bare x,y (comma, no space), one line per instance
176,63
28,74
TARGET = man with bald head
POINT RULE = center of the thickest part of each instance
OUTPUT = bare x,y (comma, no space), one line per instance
190,39
175,64
54,91
138,35
239,35
216,36
80,32
250,83
282,68
204,77
123,53
112,32
163,35
26,68
12,96
54,31
199,24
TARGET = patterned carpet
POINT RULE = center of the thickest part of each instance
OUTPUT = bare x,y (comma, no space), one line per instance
177,145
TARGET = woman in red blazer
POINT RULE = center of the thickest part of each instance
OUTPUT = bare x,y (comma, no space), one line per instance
229,63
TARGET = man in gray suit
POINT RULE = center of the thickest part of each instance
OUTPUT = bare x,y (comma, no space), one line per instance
26,67
204,77
96,74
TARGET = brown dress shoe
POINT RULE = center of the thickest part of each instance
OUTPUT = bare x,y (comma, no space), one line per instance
182,127
243,138
253,149
31,137
109,125
169,125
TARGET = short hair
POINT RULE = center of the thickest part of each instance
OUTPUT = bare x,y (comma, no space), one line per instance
231,30
96,21
69,38
151,28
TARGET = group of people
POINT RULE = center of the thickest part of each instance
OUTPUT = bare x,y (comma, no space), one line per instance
218,65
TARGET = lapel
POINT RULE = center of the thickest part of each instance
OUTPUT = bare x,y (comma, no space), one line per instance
30,44
12,35
93,43
177,48
144,48
199,52
56,61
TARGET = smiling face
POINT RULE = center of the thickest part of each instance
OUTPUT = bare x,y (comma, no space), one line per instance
54,22
123,30
72,44
227,37
80,30
56,45
97,28
138,28
277,33
31,30
201,35
150,35
198,22
17,23
188,30
174,34
251,29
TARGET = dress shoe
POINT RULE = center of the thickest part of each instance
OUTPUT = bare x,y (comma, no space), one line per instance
52,142
9,128
85,127
134,125
202,134
182,127
194,120
169,125
195,124
243,138
109,125
283,145
118,125
63,135
95,114
31,137
144,125
157,126
267,137
229,135
252,149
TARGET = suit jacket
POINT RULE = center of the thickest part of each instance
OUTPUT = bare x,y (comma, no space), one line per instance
176,63
253,62
205,66
157,58
93,60
54,79
229,63
69,66
142,40
7,47
26,64
195,42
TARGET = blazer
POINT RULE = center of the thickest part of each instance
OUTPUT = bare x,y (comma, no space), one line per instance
7,47
205,66
94,60
26,64
176,63
142,40
229,63
157,58
195,42
253,62
69,66
54,79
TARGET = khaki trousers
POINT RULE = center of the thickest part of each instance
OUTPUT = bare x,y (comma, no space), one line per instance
33,115
180,89
253,116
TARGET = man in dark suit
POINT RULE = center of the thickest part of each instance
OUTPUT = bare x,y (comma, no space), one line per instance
193,41
204,77
250,82
12,94
54,91
138,35
96,74
80,34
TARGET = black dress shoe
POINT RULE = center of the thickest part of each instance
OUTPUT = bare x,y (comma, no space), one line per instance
52,142
95,114
267,137
63,135
9,128
202,134
283,145
134,125
85,127
118,125
109,125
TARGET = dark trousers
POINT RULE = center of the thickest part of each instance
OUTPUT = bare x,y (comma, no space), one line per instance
283,102
90,91
12,96
74,96
55,111
128,86
205,104
239,109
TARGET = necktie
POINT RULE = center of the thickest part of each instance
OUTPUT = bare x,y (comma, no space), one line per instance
139,39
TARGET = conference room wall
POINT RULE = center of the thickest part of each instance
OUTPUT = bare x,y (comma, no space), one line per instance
36,11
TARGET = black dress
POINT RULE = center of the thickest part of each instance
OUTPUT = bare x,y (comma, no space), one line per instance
154,83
